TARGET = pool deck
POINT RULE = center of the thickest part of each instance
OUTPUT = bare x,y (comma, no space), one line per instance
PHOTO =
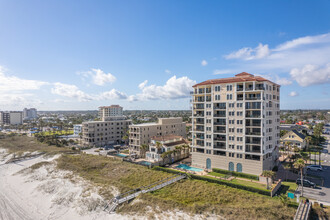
174,167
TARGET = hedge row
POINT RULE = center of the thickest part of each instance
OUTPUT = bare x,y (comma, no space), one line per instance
238,174
218,181
168,170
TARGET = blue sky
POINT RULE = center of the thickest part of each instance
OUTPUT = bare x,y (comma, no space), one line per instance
78,55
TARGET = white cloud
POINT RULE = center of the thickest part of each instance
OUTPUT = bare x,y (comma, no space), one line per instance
70,91
174,88
283,81
323,38
305,58
248,53
204,63
276,79
13,83
113,94
168,71
98,76
15,91
311,75
18,101
293,93
143,84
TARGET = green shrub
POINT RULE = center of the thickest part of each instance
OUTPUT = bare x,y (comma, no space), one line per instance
238,174
218,181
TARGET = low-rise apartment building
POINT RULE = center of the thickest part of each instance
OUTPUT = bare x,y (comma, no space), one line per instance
235,124
141,133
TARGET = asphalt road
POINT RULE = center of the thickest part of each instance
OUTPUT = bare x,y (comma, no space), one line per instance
321,193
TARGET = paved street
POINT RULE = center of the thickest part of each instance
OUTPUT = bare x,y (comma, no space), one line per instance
321,193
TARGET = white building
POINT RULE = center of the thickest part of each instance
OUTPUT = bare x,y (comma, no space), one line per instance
77,129
167,143
12,118
141,133
235,124
107,112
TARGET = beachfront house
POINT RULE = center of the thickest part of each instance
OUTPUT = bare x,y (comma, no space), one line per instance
169,147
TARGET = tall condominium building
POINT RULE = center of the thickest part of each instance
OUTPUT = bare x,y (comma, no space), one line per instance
12,118
110,130
235,124
29,114
141,133
107,112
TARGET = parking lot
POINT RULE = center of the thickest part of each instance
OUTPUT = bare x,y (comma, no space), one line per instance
320,193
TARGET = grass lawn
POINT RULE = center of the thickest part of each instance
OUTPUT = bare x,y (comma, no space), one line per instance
192,196
246,182
250,183
288,187
63,132
21,144
218,174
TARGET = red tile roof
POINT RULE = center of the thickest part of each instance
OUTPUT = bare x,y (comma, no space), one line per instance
241,77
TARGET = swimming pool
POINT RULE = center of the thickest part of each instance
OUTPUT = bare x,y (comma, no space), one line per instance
121,155
186,167
146,163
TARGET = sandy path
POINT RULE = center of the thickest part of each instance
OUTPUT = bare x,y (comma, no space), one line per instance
12,204
21,199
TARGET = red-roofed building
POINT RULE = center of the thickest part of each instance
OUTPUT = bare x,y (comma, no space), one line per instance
235,123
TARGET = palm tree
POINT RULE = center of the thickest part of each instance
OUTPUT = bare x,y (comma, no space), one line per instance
268,174
158,146
300,164
143,150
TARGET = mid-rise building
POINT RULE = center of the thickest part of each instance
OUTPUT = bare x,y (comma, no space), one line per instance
29,114
235,124
108,112
12,118
101,133
141,133
110,130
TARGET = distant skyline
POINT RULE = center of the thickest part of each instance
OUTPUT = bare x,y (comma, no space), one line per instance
146,55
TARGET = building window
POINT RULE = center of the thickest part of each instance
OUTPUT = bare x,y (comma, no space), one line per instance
229,87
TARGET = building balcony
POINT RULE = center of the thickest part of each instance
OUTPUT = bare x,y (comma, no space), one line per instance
223,147
252,98
198,115
220,115
253,115
199,129
219,123
253,133
221,131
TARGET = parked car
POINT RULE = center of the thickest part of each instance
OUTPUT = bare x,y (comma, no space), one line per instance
314,168
307,183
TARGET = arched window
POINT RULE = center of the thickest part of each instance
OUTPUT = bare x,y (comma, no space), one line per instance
208,163
239,167
231,166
